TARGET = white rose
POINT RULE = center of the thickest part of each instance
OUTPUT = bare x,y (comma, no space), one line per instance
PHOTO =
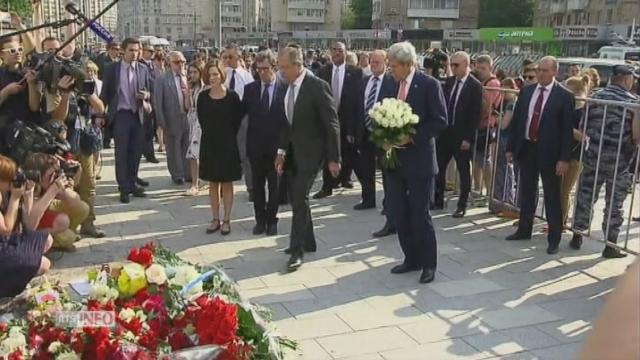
13,343
184,275
102,292
156,274
415,119
68,356
54,347
127,314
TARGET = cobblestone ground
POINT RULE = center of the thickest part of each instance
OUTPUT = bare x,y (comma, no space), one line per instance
491,298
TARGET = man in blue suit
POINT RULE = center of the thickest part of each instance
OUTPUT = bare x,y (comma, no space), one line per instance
264,103
126,92
409,183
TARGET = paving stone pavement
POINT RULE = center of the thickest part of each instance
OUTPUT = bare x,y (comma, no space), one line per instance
491,299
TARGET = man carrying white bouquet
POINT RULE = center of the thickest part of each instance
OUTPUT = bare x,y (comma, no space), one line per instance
411,157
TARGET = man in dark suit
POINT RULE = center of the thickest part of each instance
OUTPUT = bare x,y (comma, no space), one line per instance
346,87
410,182
126,93
310,138
464,104
264,103
375,85
146,58
541,137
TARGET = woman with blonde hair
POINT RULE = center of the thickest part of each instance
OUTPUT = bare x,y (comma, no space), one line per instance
594,78
579,86
196,85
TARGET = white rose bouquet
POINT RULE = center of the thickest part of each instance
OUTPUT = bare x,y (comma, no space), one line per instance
393,123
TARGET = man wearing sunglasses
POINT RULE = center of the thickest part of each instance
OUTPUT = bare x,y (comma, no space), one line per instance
171,95
19,91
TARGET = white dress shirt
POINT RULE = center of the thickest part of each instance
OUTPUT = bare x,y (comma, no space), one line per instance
340,69
532,104
296,92
409,80
370,85
243,77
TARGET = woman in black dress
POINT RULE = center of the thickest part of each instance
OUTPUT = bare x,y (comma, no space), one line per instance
219,114
21,248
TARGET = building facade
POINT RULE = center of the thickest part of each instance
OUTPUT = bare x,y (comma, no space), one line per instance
425,14
586,12
53,10
306,15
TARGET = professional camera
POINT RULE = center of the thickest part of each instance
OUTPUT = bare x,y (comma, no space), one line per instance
436,60
69,169
23,139
56,68
21,177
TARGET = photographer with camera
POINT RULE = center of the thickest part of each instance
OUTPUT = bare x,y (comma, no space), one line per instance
21,248
72,106
19,91
47,171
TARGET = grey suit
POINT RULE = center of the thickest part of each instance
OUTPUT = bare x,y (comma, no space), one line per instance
311,136
173,119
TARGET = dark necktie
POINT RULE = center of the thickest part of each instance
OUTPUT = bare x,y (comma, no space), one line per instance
264,101
535,118
452,102
371,99
232,82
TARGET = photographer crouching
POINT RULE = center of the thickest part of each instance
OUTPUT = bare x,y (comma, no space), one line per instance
71,104
22,248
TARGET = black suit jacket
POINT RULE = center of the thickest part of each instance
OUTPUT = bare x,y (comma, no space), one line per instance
314,132
351,101
555,131
468,108
263,134
387,86
111,84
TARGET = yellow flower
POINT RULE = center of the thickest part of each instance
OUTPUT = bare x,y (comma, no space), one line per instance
131,279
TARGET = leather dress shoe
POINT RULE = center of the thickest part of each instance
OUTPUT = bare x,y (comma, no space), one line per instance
636,219
178,181
385,231
517,236
436,206
427,276
124,197
322,194
404,268
152,159
138,192
347,185
142,182
295,261
576,242
258,229
306,248
460,213
612,253
552,249
364,206
272,229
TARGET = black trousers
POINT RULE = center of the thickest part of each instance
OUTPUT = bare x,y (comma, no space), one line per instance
149,134
449,147
530,168
264,173
365,168
349,154
300,183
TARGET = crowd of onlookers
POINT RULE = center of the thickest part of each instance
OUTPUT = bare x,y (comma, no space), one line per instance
219,118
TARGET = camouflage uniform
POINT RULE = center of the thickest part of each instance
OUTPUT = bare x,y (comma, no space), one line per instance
621,184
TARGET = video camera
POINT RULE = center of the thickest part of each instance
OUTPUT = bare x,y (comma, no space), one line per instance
51,72
23,139
435,59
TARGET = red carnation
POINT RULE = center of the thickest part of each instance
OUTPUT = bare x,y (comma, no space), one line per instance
217,322
149,340
151,246
142,256
16,355
179,340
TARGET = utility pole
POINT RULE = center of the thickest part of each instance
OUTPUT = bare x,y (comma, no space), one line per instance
219,25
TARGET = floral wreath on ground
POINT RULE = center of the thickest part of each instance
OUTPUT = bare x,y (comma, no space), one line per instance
165,308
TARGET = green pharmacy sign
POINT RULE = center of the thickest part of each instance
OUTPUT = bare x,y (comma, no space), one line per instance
516,34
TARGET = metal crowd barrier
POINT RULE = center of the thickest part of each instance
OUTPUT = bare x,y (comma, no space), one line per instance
492,160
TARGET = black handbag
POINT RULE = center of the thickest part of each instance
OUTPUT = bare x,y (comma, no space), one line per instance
90,139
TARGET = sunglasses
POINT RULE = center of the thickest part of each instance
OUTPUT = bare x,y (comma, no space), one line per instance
14,51
455,64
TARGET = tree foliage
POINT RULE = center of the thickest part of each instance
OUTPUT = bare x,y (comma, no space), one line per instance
348,20
20,7
361,12
506,13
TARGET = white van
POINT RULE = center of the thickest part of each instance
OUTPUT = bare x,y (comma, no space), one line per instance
604,67
631,53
